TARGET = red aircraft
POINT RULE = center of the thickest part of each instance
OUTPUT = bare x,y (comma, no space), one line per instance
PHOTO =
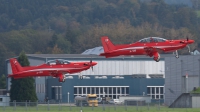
55,68
150,46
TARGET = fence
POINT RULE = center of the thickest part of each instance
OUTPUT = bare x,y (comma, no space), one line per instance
71,107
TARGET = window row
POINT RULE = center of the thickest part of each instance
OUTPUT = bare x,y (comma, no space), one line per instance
155,92
101,90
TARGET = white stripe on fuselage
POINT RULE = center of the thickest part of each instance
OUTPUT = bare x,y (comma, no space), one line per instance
142,47
52,69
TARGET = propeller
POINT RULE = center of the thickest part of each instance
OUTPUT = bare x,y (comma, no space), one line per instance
91,64
183,41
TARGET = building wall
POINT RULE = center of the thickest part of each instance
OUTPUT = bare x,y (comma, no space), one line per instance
137,86
195,101
181,76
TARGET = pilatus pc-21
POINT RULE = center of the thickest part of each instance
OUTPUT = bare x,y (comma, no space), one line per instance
150,46
55,68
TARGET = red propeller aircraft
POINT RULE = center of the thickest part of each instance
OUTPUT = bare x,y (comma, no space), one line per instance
55,68
150,46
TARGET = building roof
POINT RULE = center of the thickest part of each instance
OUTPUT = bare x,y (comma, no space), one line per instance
89,56
94,51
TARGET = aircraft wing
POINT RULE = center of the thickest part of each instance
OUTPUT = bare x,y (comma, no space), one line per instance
150,50
55,72
160,50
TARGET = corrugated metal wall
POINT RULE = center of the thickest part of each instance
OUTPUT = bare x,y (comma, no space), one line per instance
125,67
176,81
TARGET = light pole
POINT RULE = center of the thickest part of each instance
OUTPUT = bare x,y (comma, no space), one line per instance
186,77
68,96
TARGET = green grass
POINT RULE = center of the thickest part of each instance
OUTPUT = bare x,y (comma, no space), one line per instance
111,108
196,91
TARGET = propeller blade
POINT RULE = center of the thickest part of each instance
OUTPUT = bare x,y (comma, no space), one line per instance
91,64
187,38
92,68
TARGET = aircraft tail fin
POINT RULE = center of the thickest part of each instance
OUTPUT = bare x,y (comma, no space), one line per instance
16,67
107,44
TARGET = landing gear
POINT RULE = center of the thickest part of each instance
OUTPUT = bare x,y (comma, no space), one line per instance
80,77
156,57
61,78
176,53
188,48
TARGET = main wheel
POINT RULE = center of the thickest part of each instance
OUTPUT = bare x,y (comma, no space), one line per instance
156,59
63,80
80,77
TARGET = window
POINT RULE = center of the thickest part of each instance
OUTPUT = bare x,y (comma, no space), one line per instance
84,90
148,90
97,90
127,90
114,90
123,90
161,90
75,90
101,90
88,90
105,90
110,90
93,90
155,92
1,99
80,90
118,90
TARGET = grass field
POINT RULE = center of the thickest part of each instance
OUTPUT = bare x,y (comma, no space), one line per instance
110,108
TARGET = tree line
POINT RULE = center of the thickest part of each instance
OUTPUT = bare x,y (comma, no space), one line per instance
72,26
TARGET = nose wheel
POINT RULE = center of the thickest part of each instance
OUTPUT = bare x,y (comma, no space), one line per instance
177,56
188,48
63,80
156,57
80,77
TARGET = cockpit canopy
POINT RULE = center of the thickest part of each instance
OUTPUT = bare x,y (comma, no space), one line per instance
57,62
152,39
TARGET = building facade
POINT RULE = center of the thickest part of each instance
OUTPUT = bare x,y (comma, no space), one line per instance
181,76
111,77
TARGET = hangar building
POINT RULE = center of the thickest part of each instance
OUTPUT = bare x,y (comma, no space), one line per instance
113,77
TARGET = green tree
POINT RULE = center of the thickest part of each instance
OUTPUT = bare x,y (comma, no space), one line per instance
23,89
3,82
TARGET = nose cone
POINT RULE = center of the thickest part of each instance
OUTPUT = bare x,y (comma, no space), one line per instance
94,63
190,41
